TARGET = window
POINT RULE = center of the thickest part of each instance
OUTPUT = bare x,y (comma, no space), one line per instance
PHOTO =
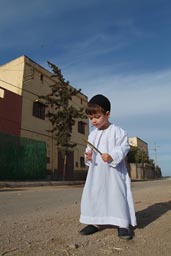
41,77
39,110
82,163
48,160
81,127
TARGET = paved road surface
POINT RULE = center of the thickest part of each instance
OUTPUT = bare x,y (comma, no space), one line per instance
20,201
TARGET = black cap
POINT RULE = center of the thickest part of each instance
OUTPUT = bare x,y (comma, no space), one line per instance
101,101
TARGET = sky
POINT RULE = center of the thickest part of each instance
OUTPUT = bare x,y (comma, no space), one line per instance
119,48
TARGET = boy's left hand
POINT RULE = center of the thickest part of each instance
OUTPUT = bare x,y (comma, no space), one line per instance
106,157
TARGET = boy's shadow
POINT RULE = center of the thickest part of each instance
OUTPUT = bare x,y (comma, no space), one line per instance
146,216
151,213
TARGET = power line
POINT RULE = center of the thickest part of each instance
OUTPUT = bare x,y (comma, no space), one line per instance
23,89
5,69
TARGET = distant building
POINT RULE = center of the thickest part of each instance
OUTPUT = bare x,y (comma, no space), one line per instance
22,113
138,143
143,170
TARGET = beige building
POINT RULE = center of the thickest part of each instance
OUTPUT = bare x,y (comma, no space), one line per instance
22,81
137,142
143,170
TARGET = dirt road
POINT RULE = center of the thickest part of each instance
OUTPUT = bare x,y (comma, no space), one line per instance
44,221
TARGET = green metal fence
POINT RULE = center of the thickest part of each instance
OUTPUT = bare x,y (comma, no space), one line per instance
21,158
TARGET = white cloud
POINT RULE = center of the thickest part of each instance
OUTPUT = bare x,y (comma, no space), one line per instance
131,94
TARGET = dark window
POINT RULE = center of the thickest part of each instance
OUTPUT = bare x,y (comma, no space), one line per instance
48,160
41,77
82,163
81,127
39,110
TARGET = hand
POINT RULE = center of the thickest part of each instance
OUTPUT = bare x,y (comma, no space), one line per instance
88,155
106,158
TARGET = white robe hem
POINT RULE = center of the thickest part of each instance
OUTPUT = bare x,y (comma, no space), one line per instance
105,221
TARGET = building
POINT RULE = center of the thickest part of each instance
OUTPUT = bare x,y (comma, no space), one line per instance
143,170
138,143
22,114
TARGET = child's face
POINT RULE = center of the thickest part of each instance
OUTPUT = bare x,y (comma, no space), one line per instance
100,120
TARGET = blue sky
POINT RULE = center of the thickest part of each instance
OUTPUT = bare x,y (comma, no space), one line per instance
120,48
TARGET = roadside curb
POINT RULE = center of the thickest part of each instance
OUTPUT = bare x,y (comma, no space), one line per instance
16,184
19,184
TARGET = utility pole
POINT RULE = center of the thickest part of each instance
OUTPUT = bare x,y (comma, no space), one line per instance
155,153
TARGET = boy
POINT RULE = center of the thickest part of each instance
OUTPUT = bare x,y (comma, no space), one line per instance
107,197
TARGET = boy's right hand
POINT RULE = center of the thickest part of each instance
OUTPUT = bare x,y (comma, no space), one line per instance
88,155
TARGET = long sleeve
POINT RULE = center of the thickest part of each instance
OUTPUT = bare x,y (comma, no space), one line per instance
85,160
121,147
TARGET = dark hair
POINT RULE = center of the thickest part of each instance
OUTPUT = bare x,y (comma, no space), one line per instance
93,109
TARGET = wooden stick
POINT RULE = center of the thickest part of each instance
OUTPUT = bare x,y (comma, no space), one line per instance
92,146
